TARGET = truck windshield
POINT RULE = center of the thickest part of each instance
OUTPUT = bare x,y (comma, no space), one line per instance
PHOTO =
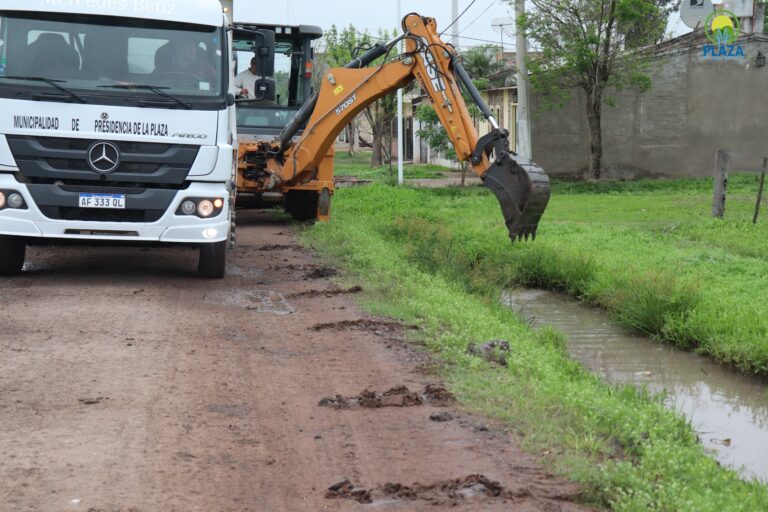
286,88
88,54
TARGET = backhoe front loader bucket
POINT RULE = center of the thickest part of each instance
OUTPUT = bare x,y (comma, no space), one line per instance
522,189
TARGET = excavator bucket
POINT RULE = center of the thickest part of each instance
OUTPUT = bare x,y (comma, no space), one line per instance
522,189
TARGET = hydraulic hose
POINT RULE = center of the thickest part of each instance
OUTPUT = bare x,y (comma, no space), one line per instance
476,97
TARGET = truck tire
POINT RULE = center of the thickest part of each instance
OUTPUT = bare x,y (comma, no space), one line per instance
12,252
301,204
212,262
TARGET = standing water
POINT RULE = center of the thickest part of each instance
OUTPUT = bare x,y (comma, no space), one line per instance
728,410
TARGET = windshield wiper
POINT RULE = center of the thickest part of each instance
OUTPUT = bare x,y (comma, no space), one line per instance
157,89
49,81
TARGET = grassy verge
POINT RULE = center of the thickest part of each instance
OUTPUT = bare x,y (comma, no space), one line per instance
359,166
440,257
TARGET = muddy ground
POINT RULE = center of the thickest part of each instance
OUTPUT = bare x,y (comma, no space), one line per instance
128,384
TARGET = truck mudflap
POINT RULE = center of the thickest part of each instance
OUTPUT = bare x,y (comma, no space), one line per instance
522,188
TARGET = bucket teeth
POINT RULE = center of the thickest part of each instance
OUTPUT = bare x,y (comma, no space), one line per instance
522,189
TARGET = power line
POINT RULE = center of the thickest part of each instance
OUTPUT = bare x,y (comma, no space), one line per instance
493,2
478,39
458,17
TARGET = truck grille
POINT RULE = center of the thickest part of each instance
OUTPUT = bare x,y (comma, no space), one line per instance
47,160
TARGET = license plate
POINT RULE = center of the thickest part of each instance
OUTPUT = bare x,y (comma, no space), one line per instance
115,201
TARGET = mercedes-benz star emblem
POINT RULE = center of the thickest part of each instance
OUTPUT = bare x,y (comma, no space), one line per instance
103,157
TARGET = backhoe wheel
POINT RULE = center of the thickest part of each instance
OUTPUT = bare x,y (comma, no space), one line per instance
12,252
213,260
301,204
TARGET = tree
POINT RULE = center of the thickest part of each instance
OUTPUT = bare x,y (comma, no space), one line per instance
484,66
591,45
340,49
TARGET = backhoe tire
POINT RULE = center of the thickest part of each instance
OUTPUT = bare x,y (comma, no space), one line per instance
301,204
12,252
212,262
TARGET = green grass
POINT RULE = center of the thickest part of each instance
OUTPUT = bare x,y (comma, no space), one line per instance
359,166
648,253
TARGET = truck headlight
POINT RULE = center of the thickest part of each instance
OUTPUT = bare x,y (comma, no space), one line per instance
15,200
205,208
11,199
188,207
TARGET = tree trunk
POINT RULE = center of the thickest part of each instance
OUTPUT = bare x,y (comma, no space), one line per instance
351,134
594,117
464,173
376,159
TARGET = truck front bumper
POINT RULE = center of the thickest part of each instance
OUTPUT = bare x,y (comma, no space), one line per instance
169,228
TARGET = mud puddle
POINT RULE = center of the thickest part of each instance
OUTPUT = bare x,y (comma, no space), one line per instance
260,301
472,489
400,396
728,410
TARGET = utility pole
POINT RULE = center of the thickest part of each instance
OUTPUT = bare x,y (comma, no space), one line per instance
399,113
523,114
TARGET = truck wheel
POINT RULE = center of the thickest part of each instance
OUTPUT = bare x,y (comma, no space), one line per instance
301,204
213,260
12,252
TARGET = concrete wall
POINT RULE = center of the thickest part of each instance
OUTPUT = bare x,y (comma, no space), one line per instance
695,107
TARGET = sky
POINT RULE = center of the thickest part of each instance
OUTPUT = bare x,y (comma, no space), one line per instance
475,27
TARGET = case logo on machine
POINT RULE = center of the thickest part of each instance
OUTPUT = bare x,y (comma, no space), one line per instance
103,157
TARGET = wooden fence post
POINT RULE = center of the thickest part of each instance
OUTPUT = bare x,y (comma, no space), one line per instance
760,190
721,183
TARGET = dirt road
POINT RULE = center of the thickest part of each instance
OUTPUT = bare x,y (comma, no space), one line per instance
128,384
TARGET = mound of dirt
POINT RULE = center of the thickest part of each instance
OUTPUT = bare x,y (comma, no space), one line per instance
441,417
437,395
280,247
321,273
364,324
347,490
494,351
474,489
325,293
399,396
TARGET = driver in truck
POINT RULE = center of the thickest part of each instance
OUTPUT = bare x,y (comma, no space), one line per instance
187,57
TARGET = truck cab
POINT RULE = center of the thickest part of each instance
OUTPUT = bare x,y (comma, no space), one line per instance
262,118
116,126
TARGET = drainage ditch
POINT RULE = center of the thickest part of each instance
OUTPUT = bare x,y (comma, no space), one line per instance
728,410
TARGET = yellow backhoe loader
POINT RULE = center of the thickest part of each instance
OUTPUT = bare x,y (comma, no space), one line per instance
299,162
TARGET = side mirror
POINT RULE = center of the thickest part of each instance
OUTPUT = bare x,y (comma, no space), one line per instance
231,100
265,52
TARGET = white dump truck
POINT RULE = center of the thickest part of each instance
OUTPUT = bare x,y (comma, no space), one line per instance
116,126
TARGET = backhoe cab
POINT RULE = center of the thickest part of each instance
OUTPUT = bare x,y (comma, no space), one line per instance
300,160
286,84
